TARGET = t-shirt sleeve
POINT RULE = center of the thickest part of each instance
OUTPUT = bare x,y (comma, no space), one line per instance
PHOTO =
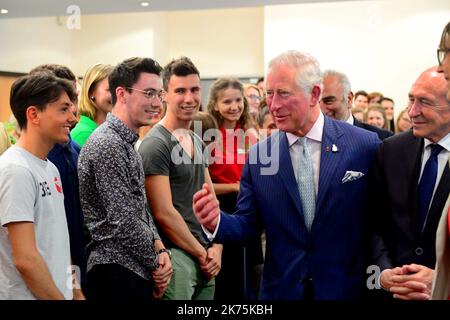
156,156
17,194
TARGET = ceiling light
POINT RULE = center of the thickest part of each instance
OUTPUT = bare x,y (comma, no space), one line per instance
3,11
145,4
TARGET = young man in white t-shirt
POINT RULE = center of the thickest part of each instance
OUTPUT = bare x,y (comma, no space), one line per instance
34,240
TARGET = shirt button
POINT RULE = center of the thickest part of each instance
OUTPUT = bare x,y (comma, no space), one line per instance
419,251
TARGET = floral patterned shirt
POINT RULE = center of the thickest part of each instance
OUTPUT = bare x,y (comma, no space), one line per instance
114,201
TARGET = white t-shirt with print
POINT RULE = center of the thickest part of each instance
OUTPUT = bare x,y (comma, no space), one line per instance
31,190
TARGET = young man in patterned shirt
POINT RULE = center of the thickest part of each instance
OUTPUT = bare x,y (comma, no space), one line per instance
127,259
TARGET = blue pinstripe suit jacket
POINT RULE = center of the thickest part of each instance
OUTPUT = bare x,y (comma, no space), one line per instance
332,253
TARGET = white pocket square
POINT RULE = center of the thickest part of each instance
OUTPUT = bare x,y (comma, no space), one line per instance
351,176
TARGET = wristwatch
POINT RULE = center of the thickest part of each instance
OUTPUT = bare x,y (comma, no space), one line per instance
165,250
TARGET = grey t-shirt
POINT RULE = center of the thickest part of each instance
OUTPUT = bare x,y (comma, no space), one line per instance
163,155
30,190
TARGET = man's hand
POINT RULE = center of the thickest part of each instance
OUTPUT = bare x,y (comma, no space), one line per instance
206,207
162,275
213,261
413,283
78,295
386,277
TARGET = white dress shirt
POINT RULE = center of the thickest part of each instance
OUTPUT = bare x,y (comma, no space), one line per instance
314,142
350,120
442,158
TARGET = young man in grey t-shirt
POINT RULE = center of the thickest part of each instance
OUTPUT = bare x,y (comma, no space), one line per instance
175,169
34,240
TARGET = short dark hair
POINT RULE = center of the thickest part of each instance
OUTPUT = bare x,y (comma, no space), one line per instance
180,67
38,89
127,73
58,70
361,93
387,99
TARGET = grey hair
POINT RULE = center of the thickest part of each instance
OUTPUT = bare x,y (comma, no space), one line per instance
343,80
310,74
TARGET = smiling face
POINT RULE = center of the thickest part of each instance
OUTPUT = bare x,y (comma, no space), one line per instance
56,120
361,101
428,106
389,108
292,109
403,122
230,105
375,118
333,102
101,96
182,99
254,99
142,109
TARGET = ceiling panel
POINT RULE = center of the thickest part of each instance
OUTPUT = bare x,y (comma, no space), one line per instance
35,8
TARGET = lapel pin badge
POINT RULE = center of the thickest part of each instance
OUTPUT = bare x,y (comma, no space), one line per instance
334,148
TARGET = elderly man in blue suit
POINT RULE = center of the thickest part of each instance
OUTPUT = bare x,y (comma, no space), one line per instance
305,186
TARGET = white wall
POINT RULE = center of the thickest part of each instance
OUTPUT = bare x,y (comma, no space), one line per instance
111,38
381,45
220,42
25,43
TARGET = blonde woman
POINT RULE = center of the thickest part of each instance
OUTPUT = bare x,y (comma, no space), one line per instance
254,96
94,103
5,143
376,116
403,122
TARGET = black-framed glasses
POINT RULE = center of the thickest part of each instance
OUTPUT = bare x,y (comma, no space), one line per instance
150,93
441,54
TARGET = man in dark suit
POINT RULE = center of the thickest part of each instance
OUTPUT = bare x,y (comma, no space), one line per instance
297,186
336,102
405,219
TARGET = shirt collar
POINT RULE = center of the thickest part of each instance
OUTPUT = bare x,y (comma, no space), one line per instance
121,128
315,133
350,120
444,142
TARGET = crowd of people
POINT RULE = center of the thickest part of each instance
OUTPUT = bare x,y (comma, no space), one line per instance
125,187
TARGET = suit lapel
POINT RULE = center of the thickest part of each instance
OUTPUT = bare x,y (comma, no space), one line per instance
413,151
286,172
329,161
438,202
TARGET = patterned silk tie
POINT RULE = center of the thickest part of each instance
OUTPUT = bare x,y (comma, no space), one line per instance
427,182
305,183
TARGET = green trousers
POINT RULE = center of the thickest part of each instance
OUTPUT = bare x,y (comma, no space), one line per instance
188,280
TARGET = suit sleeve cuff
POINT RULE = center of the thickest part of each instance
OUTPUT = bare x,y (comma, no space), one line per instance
210,235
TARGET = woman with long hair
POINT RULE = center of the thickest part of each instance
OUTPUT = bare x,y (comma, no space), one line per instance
229,106
94,103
